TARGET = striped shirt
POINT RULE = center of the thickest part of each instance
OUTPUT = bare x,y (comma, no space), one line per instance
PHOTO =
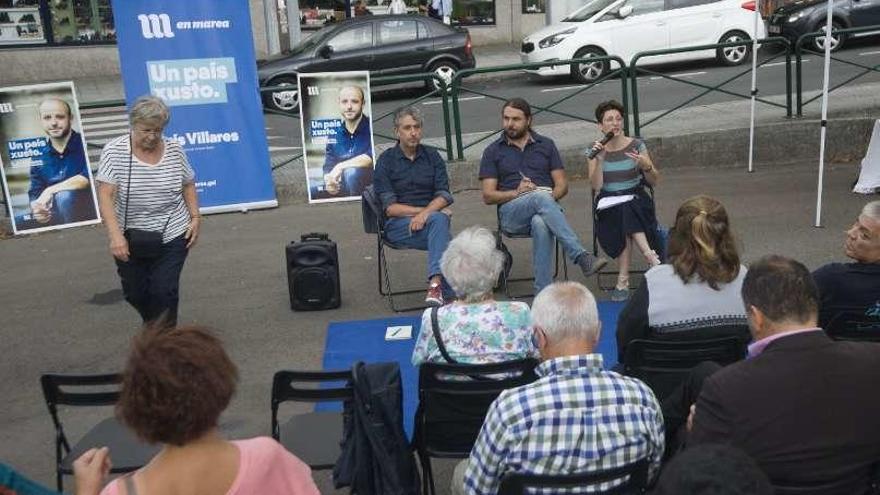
156,190
620,172
577,417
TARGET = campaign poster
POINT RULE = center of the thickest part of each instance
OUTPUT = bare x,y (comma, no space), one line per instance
198,56
44,162
337,134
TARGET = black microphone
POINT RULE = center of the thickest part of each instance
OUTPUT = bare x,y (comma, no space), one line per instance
595,151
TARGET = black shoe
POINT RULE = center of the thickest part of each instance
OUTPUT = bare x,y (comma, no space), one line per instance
590,264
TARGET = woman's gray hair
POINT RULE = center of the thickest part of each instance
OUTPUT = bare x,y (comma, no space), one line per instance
410,111
149,108
471,263
872,210
566,310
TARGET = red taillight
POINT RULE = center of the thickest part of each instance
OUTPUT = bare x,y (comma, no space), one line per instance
467,45
750,5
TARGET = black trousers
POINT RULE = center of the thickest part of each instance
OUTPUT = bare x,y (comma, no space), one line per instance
676,406
151,285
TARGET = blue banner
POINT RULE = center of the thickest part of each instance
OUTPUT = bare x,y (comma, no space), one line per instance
198,56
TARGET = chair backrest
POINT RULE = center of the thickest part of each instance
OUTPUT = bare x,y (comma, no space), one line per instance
285,388
854,324
520,483
371,208
454,399
663,364
95,390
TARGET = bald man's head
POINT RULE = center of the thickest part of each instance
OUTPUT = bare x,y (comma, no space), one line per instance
351,102
55,117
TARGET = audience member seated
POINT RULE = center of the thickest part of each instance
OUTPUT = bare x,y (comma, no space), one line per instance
803,406
411,181
853,286
577,417
696,295
175,385
713,470
475,329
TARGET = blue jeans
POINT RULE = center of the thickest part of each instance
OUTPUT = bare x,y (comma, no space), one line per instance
151,285
539,215
68,207
434,237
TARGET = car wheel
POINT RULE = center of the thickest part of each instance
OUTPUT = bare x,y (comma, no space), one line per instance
284,100
837,40
589,72
734,55
445,70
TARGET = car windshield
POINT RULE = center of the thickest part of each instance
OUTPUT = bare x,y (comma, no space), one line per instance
587,11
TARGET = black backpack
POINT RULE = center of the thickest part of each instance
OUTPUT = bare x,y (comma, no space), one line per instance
376,458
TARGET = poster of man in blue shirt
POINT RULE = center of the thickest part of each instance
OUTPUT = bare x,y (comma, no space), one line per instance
58,184
336,121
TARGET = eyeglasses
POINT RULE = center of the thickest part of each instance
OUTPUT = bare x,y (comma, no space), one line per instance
154,132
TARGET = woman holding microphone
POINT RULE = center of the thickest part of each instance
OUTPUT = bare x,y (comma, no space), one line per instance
619,168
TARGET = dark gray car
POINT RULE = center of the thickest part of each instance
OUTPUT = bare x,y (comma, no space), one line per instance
382,44
808,16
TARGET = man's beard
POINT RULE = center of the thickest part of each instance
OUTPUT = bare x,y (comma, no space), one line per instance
512,134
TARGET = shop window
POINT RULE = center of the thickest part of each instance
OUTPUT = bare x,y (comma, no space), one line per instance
81,21
318,13
473,12
533,6
21,23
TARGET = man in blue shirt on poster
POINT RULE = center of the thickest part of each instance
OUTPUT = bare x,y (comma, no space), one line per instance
60,191
348,160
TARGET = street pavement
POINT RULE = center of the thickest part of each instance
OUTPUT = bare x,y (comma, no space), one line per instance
62,310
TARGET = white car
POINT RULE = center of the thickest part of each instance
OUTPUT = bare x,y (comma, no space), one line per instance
626,27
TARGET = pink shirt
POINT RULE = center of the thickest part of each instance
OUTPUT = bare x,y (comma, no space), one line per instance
756,348
265,467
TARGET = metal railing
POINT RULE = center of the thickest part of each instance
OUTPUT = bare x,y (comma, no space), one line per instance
458,88
635,70
799,51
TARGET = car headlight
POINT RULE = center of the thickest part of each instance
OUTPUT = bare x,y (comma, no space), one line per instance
555,39
796,17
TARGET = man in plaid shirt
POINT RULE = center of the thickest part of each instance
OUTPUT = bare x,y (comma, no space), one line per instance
577,417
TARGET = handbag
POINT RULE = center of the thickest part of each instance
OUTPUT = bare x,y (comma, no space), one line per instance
143,244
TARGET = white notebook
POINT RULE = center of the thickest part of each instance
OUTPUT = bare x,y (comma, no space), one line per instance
401,332
609,201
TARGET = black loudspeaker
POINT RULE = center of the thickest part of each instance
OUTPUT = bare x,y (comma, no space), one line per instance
313,273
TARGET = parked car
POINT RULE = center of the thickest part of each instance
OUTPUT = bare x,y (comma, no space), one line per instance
626,27
382,44
804,16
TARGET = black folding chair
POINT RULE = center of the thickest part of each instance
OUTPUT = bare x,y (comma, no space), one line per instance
854,324
664,364
453,401
314,437
603,276
127,451
505,279
374,223
636,483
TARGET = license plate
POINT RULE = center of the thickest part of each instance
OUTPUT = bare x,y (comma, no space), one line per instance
774,29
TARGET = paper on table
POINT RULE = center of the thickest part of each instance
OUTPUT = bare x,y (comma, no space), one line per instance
609,201
402,332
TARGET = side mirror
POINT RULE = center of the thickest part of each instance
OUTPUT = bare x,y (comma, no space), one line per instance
624,11
325,51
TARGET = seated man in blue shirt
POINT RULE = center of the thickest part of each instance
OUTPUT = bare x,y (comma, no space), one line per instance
60,191
412,184
853,287
522,172
348,159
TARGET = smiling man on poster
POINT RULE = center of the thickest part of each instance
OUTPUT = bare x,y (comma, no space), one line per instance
348,160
